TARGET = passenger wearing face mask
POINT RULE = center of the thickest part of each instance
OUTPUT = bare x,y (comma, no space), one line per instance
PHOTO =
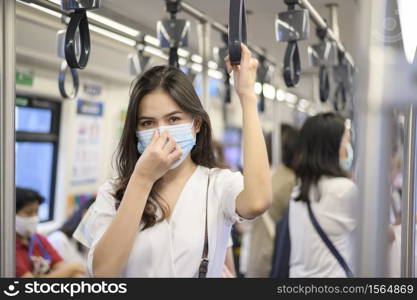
322,164
35,257
170,210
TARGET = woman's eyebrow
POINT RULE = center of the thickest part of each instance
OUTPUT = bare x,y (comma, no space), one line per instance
145,117
173,113
165,116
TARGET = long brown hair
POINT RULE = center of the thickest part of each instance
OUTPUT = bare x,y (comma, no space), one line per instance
175,83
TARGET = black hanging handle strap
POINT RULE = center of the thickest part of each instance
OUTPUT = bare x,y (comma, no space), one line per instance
237,30
324,83
340,97
228,91
329,243
202,270
292,65
61,81
78,21
173,57
292,62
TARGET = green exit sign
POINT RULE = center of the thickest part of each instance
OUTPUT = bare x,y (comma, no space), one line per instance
20,101
24,78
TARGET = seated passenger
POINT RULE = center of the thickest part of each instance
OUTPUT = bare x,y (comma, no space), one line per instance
35,257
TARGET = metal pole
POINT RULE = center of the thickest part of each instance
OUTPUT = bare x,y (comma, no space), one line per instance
408,201
319,21
334,19
276,134
204,44
374,129
57,8
202,17
7,138
187,8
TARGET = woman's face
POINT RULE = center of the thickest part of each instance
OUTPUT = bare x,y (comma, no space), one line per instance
159,109
343,145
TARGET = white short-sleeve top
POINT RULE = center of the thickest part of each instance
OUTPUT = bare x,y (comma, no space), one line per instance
174,248
334,206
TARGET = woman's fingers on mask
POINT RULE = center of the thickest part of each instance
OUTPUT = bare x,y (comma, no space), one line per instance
175,155
161,141
155,136
170,145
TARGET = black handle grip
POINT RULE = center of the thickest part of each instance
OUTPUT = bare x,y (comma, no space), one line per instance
173,57
61,81
78,21
340,97
324,84
292,65
237,30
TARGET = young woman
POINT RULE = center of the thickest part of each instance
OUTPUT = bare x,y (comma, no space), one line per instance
324,156
35,257
171,205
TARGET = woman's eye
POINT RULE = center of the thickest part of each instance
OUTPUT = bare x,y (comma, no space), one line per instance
174,119
146,123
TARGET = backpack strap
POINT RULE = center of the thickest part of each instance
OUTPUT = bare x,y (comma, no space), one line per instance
328,243
202,270
34,239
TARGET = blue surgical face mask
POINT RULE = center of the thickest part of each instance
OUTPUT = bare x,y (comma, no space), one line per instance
346,163
182,133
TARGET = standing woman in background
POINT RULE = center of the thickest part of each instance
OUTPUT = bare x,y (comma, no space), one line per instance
324,156
170,210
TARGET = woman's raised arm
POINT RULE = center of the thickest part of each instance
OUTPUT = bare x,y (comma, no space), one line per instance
257,194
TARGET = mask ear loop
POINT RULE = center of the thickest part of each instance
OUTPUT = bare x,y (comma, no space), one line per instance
192,128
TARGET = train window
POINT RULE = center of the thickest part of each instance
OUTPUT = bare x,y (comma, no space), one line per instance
30,119
35,173
37,128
